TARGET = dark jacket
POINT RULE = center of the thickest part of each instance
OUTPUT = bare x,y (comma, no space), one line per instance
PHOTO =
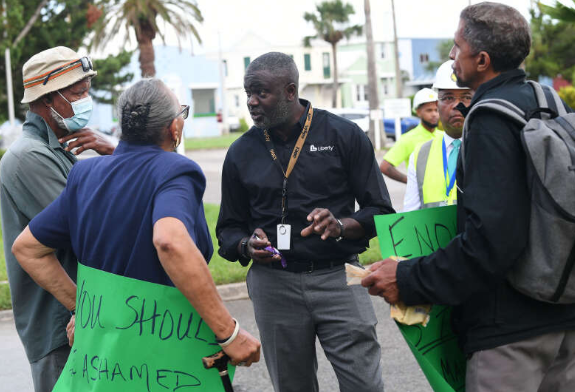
493,218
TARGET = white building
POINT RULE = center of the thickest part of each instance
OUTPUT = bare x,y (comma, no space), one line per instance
314,65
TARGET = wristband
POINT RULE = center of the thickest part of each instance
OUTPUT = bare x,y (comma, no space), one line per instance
244,247
340,231
228,341
73,312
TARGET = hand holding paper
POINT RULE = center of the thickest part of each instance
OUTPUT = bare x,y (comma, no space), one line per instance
355,274
408,315
382,280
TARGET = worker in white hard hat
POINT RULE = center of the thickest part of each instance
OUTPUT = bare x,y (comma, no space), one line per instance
425,106
432,166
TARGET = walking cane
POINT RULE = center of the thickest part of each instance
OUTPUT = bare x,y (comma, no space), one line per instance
220,361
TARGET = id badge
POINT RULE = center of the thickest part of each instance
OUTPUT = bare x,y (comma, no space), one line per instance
284,236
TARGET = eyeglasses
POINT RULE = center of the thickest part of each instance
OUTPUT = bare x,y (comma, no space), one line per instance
184,112
451,98
84,61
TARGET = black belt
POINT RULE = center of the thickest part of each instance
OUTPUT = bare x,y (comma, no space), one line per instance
310,266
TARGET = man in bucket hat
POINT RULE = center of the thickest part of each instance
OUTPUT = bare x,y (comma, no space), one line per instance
33,173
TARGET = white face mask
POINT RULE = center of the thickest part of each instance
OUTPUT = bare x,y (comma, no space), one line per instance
82,111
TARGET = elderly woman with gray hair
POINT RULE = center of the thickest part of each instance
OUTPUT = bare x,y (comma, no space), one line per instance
137,213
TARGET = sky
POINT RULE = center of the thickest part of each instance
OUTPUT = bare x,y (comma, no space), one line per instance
281,22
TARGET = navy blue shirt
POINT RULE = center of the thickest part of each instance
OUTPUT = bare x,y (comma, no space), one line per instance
107,211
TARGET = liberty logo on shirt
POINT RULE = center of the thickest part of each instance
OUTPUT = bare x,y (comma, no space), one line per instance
313,148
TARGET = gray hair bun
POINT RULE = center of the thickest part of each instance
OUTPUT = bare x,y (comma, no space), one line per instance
135,118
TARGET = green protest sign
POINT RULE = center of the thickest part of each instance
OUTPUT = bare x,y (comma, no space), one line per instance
133,335
435,348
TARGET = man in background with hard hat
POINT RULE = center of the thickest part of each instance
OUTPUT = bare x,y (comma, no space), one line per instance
32,174
425,106
431,172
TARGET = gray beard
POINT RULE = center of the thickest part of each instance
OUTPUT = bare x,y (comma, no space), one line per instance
279,116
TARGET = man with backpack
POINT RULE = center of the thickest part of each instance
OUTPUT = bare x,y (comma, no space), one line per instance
515,339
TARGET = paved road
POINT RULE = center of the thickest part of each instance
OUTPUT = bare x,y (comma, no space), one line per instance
211,162
401,373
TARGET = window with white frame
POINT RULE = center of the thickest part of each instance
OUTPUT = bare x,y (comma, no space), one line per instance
361,92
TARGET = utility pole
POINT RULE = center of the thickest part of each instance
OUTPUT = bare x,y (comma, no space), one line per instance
9,89
398,81
225,126
372,83
23,33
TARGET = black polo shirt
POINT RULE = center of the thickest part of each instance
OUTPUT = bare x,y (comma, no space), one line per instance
336,167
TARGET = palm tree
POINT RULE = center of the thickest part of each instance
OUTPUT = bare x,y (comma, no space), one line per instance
559,11
329,16
140,17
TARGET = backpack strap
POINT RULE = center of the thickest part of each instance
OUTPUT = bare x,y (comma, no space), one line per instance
547,97
502,106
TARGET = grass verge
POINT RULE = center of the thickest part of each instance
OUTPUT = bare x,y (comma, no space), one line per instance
210,143
222,270
5,297
225,272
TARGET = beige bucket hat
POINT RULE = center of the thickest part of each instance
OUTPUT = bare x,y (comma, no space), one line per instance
53,70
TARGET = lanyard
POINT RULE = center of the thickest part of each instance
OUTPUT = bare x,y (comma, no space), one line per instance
448,187
293,158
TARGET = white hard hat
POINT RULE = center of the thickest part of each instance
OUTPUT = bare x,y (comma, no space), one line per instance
424,95
445,78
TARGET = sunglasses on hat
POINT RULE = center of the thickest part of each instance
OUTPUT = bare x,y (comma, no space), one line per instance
84,61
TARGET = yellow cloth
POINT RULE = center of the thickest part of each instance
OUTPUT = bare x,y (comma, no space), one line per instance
409,315
403,148
434,181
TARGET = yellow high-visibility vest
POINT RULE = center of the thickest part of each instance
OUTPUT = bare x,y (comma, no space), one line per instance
431,179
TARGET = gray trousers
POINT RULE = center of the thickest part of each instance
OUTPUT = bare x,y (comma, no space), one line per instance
45,371
291,309
544,363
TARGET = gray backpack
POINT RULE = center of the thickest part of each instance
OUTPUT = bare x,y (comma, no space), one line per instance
545,270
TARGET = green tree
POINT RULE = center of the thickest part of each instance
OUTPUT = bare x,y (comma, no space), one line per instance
329,21
59,22
559,11
107,87
443,49
140,17
552,47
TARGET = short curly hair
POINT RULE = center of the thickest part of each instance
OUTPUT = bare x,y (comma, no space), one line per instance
499,30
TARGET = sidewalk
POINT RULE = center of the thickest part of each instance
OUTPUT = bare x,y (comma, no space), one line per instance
400,371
